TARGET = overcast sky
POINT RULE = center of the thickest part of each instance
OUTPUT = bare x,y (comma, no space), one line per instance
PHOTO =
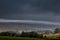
42,11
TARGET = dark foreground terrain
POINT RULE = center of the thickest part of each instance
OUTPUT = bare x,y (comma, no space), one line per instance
23,38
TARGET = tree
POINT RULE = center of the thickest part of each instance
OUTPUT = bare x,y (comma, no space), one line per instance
40,36
57,30
31,34
22,34
45,36
7,34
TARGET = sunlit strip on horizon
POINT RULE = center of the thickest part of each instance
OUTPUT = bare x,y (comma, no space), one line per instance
30,21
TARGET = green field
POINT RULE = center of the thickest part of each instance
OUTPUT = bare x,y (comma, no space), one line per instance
52,35
49,37
17,38
20,38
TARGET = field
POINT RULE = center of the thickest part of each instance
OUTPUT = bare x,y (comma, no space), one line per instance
17,38
49,37
53,36
57,35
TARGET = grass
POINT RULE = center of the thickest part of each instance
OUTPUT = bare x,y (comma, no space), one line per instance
49,37
17,38
52,35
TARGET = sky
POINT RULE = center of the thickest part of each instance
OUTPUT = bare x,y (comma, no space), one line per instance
43,10
31,11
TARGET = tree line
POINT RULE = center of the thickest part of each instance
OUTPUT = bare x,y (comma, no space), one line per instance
27,34
23,34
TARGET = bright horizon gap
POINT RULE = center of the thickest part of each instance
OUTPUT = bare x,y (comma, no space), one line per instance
30,21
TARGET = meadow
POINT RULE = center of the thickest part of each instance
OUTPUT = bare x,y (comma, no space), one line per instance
17,38
23,38
48,37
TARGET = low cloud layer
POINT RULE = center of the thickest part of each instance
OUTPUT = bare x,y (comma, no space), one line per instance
30,21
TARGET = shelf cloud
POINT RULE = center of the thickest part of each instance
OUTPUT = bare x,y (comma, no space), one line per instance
30,21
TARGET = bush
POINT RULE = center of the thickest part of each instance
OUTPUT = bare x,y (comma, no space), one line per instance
31,34
7,34
40,36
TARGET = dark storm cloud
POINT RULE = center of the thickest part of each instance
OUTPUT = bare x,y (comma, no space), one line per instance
46,10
